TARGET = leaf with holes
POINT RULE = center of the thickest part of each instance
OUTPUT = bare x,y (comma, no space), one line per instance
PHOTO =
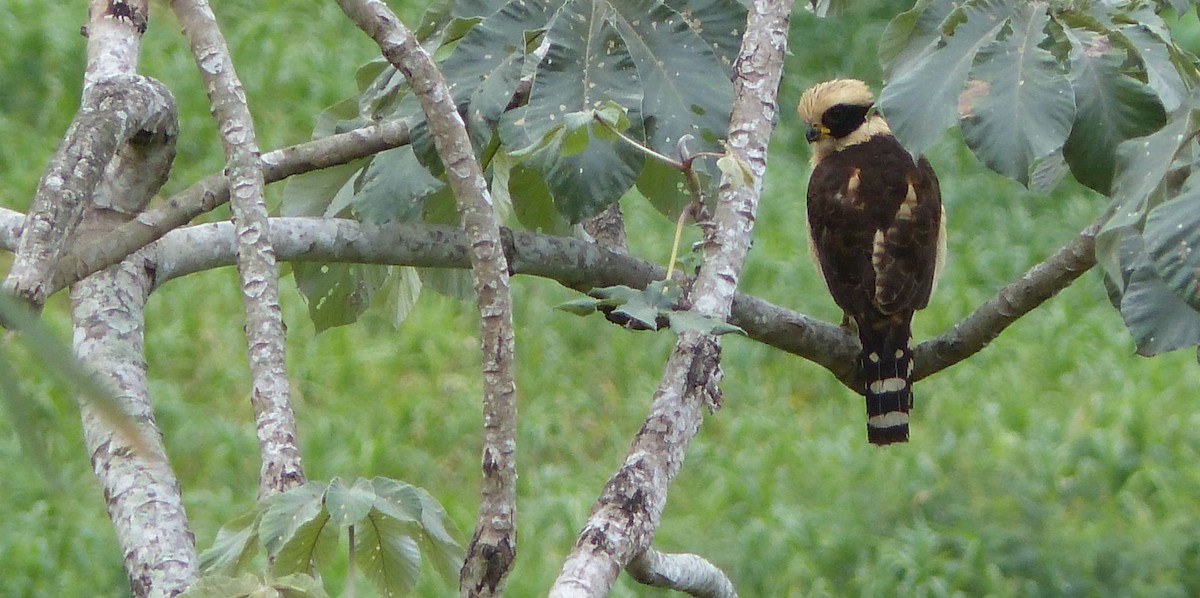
284,514
337,294
348,505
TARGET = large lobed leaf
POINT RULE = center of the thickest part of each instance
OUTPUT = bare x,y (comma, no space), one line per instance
1017,107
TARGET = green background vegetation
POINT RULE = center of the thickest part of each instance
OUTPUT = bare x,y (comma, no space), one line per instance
1053,463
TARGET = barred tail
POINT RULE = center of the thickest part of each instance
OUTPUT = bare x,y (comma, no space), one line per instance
886,366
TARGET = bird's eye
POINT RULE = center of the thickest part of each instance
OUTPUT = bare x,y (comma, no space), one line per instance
843,119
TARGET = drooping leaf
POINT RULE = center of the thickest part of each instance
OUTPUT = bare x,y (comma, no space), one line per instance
393,188
533,205
234,547
673,64
336,293
299,585
1142,166
645,307
1157,318
587,64
349,505
484,50
665,187
1172,236
312,193
387,553
1017,107
283,514
1111,107
400,293
311,546
437,533
919,102
585,306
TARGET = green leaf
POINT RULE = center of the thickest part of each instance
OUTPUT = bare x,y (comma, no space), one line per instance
533,204
919,101
387,553
284,514
1017,107
736,171
1143,164
336,293
348,506
299,585
1112,107
687,321
1156,57
400,294
659,298
493,46
1172,236
580,307
687,91
221,586
234,547
665,188
911,34
718,22
1159,320
312,193
437,531
310,547
587,64
393,188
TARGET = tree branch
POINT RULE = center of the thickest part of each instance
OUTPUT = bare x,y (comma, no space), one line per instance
686,573
493,546
212,191
265,335
629,509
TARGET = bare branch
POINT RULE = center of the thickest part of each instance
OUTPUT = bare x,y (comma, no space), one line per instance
1020,297
493,547
213,191
686,573
265,335
630,507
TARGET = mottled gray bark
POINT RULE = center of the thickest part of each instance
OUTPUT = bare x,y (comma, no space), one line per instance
493,546
265,335
141,492
625,517
685,573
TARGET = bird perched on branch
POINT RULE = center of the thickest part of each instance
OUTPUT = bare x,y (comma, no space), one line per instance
877,233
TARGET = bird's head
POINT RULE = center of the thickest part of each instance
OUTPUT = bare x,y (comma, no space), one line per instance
838,114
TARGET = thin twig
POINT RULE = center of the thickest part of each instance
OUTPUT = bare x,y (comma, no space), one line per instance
493,547
265,335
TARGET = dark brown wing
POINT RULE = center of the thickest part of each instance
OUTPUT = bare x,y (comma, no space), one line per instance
874,217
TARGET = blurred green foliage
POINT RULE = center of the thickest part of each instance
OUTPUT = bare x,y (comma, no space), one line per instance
1053,463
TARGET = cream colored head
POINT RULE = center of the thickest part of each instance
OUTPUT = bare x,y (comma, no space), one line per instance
823,132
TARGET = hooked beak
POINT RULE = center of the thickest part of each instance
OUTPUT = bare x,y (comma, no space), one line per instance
815,132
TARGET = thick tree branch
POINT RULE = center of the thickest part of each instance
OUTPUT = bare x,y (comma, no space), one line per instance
493,546
265,335
582,266
141,491
629,509
117,110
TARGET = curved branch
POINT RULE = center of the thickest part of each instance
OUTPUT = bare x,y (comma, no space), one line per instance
493,547
1018,298
265,335
213,191
685,573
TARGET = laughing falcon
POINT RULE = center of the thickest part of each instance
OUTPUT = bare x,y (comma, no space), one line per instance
877,234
